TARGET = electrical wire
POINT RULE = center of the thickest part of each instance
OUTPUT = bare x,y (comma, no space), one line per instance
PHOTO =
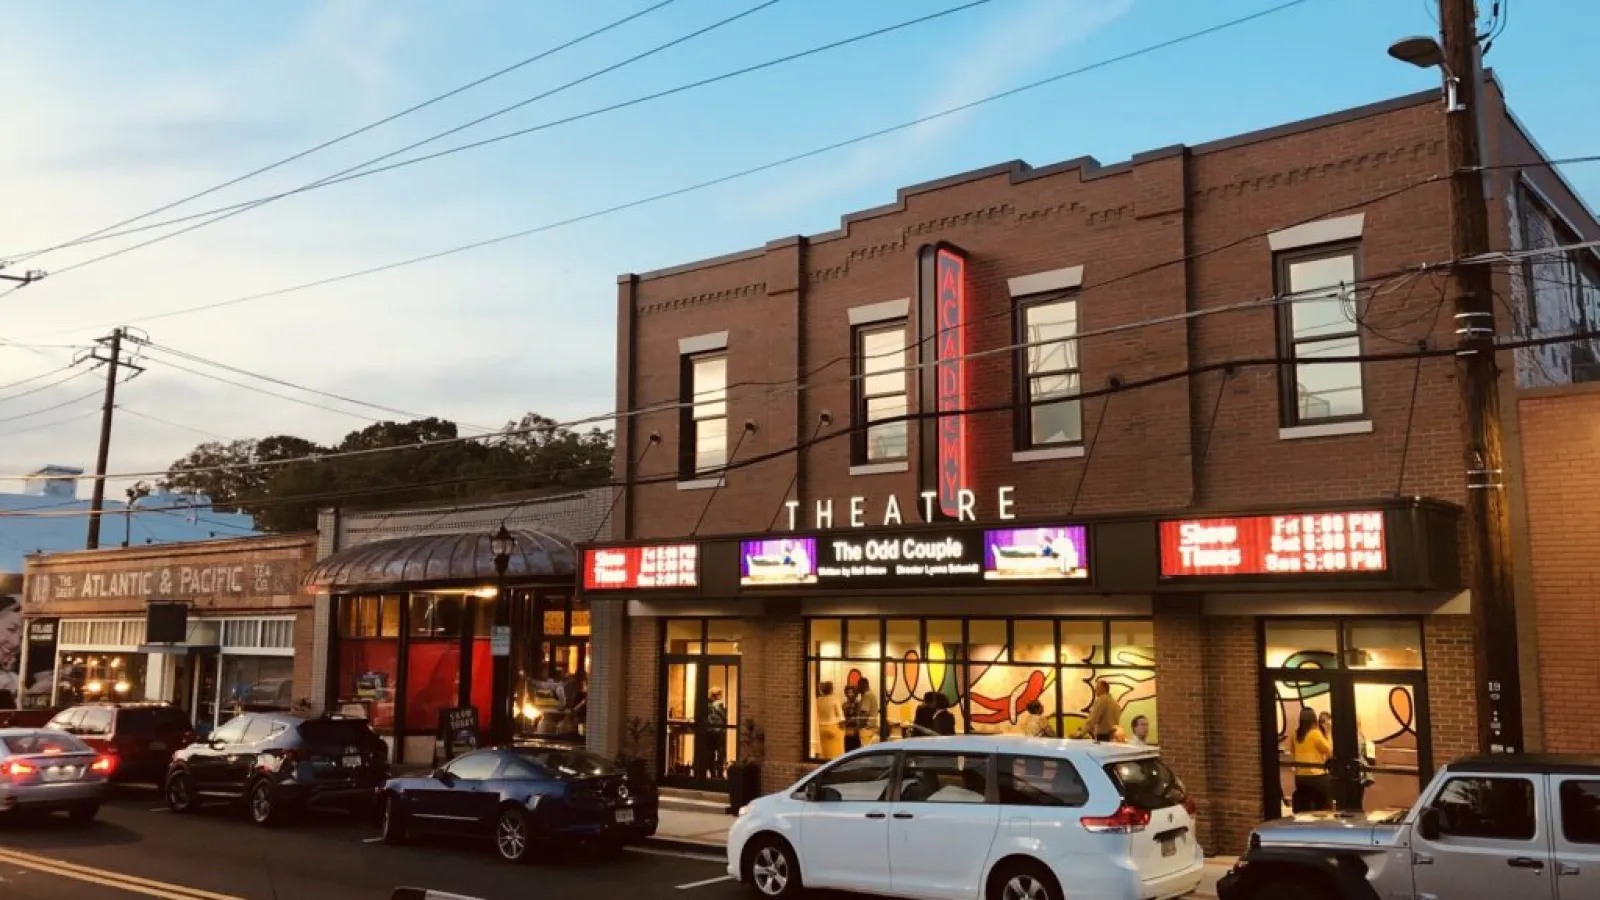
97,235
259,390
31,379
61,405
362,172
181,354
45,387
1128,385
724,179
13,432
171,424
319,183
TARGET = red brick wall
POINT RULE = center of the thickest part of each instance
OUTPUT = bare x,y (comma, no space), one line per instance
1561,447
643,679
1448,649
1232,722
1181,700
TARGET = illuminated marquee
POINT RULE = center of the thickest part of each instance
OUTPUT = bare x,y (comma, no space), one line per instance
1329,543
655,566
942,286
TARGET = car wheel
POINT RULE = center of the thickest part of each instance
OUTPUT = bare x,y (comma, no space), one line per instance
263,805
772,869
1289,889
1023,881
394,824
83,815
513,835
180,793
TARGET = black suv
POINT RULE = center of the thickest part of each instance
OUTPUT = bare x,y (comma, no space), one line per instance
140,738
276,763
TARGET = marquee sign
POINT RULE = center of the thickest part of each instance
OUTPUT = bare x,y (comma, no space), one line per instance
255,581
1335,543
646,567
943,302
924,558
950,558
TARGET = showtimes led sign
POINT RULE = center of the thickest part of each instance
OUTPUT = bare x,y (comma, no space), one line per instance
1326,543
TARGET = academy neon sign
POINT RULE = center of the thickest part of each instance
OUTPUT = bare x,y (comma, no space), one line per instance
951,306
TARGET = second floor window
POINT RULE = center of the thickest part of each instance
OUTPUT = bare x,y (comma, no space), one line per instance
880,393
1050,377
1319,319
705,417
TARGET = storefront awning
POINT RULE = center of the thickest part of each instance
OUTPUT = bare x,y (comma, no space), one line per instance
442,560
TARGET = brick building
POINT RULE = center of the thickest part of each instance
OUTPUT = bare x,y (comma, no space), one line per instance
1128,497
96,626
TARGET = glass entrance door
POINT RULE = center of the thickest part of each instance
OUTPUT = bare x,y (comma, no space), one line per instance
1388,731
702,721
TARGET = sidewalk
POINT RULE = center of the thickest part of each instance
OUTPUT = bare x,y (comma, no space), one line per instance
707,833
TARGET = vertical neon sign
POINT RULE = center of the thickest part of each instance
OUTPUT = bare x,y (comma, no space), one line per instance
942,286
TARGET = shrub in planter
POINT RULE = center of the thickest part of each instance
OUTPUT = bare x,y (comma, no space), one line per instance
744,775
636,736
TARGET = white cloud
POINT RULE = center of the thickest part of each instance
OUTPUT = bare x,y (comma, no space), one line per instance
998,60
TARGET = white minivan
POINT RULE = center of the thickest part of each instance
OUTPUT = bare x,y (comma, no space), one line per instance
976,817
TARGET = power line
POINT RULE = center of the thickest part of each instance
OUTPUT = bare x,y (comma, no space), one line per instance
62,405
571,84
289,384
816,439
724,179
93,235
171,424
45,426
363,172
260,390
31,379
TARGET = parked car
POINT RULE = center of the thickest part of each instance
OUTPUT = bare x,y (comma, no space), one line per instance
48,771
523,797
1485,827
140,738
278,763
976,816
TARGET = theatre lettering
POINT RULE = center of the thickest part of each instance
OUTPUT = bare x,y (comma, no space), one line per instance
855,514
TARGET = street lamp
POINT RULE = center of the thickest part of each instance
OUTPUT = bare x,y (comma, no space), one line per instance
501,544
1425,53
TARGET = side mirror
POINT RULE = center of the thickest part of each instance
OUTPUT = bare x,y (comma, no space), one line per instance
1428,824
809,794
443,777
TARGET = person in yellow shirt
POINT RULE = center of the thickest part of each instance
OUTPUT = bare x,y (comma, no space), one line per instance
830,721
1105,714
1313,787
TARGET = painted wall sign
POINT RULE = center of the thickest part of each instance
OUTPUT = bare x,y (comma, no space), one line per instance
778,561
953,558
1046,553
943,291
856,513
652,566
1301,544
163,582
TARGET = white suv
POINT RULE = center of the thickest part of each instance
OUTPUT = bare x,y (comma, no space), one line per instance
979,817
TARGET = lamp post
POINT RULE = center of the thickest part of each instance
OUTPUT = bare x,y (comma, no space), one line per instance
501,544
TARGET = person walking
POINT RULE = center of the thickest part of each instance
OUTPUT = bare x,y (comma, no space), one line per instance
830,722
1313,786
1105,714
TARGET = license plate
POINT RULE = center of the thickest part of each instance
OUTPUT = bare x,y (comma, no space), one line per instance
624,816
1169,848
352,762
60,773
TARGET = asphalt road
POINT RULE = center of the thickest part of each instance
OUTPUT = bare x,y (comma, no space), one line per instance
138,849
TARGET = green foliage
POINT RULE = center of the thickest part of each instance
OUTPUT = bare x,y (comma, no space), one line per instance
531,453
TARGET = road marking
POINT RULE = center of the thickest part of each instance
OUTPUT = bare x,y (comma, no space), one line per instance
108,878
376,840
159,809
707,882
678,854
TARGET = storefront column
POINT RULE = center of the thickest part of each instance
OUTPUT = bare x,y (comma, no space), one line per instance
1232,723
1452,677
156,677
781,696
1181,698
642,681
608,673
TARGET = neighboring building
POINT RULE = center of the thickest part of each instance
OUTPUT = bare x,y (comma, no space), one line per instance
214,627
1225,549
407,599
49,517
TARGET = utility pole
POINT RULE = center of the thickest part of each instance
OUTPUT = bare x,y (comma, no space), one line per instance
1488,513
114,363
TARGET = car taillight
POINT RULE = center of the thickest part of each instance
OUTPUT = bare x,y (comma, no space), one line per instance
105,765
19,770
1190,808
1126,820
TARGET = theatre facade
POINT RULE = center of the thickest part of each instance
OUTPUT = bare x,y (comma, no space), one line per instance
1023,430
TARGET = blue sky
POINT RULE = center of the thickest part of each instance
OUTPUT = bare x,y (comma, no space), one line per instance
115,108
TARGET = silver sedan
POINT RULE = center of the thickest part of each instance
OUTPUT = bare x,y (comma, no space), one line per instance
47,771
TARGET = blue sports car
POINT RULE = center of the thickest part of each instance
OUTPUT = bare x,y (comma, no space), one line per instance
523,797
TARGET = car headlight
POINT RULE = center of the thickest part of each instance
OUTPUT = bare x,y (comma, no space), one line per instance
741,812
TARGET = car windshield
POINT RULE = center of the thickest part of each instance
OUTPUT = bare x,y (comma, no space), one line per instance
44,744
1147,783
567,763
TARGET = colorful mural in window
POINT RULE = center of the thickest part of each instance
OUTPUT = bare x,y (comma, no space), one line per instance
871,679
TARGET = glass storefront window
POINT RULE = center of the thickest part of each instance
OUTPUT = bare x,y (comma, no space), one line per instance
723,636
437,615
685,636
1380,644
370,616
86,677
1008,666
433,679
1297,645
257,684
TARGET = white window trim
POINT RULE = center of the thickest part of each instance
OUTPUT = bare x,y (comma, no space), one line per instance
703,343
883,468
1325,430
1065,279
886,311
1039,454
1312,234
702,484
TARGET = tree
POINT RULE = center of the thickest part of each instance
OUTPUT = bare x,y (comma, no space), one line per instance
531,453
